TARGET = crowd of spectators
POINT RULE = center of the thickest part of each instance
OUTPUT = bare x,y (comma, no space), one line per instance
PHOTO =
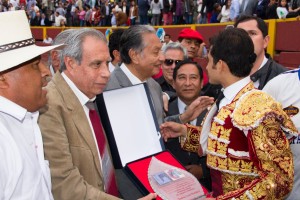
154,12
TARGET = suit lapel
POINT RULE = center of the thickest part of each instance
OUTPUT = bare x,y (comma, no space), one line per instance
122,78
78,116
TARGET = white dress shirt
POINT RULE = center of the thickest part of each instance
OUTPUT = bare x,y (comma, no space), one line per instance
231,91
182,107
133,79
24,173
83,99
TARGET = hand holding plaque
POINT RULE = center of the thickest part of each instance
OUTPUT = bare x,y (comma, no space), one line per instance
173,183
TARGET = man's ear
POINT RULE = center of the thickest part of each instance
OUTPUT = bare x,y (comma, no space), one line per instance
3,82
134,56
266,41
116,54
70,63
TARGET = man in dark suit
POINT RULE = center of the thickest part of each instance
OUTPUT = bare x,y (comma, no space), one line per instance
75,145
188,81
142,57
264,67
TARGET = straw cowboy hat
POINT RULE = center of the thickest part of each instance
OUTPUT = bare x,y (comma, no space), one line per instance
16,42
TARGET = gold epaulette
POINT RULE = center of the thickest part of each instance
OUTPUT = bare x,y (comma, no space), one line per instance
255,106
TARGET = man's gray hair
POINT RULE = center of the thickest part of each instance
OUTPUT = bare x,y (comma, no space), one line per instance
74,42
177,46
60,39
132,38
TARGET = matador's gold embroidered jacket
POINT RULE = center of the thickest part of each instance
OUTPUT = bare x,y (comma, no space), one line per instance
247,149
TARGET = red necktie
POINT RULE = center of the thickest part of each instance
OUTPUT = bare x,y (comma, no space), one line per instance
107,167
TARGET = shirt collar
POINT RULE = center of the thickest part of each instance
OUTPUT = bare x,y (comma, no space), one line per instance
181,106
133,79
14,109
231,91
83,99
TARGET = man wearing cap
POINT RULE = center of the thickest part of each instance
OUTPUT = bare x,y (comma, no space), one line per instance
192,40
24,173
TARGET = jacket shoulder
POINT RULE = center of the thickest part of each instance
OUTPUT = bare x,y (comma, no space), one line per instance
252,108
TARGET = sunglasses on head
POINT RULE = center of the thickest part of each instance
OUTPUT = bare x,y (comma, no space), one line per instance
170,62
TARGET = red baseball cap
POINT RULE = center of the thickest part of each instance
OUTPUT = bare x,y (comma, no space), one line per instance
190,34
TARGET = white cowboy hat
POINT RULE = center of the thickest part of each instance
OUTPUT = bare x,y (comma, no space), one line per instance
16,42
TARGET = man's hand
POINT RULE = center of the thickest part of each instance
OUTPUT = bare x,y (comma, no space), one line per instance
172,130
196,170
149,197
196,108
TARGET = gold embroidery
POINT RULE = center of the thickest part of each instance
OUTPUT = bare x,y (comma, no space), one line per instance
247,167
233,182
223,114
212,144
234,165
225,133
221,148
191,143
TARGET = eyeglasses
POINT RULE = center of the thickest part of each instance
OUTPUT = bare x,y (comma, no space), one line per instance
170,62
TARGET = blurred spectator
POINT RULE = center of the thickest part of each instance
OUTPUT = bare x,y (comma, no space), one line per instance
282,9
167,40
52,18
133,13
92,3
76,21
22,3
155,8
215,14
271,10
201,18
97,17
179,11
11,7
113,18
79,4
294,9
144,6
234,10
44,20
81,16
60,9
88,15
247,7
121,18
167,12
59,19
260,8
106,11
44,6
36,20
69,13
209,6
114,49
48,40
125,8
225,11
189,8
